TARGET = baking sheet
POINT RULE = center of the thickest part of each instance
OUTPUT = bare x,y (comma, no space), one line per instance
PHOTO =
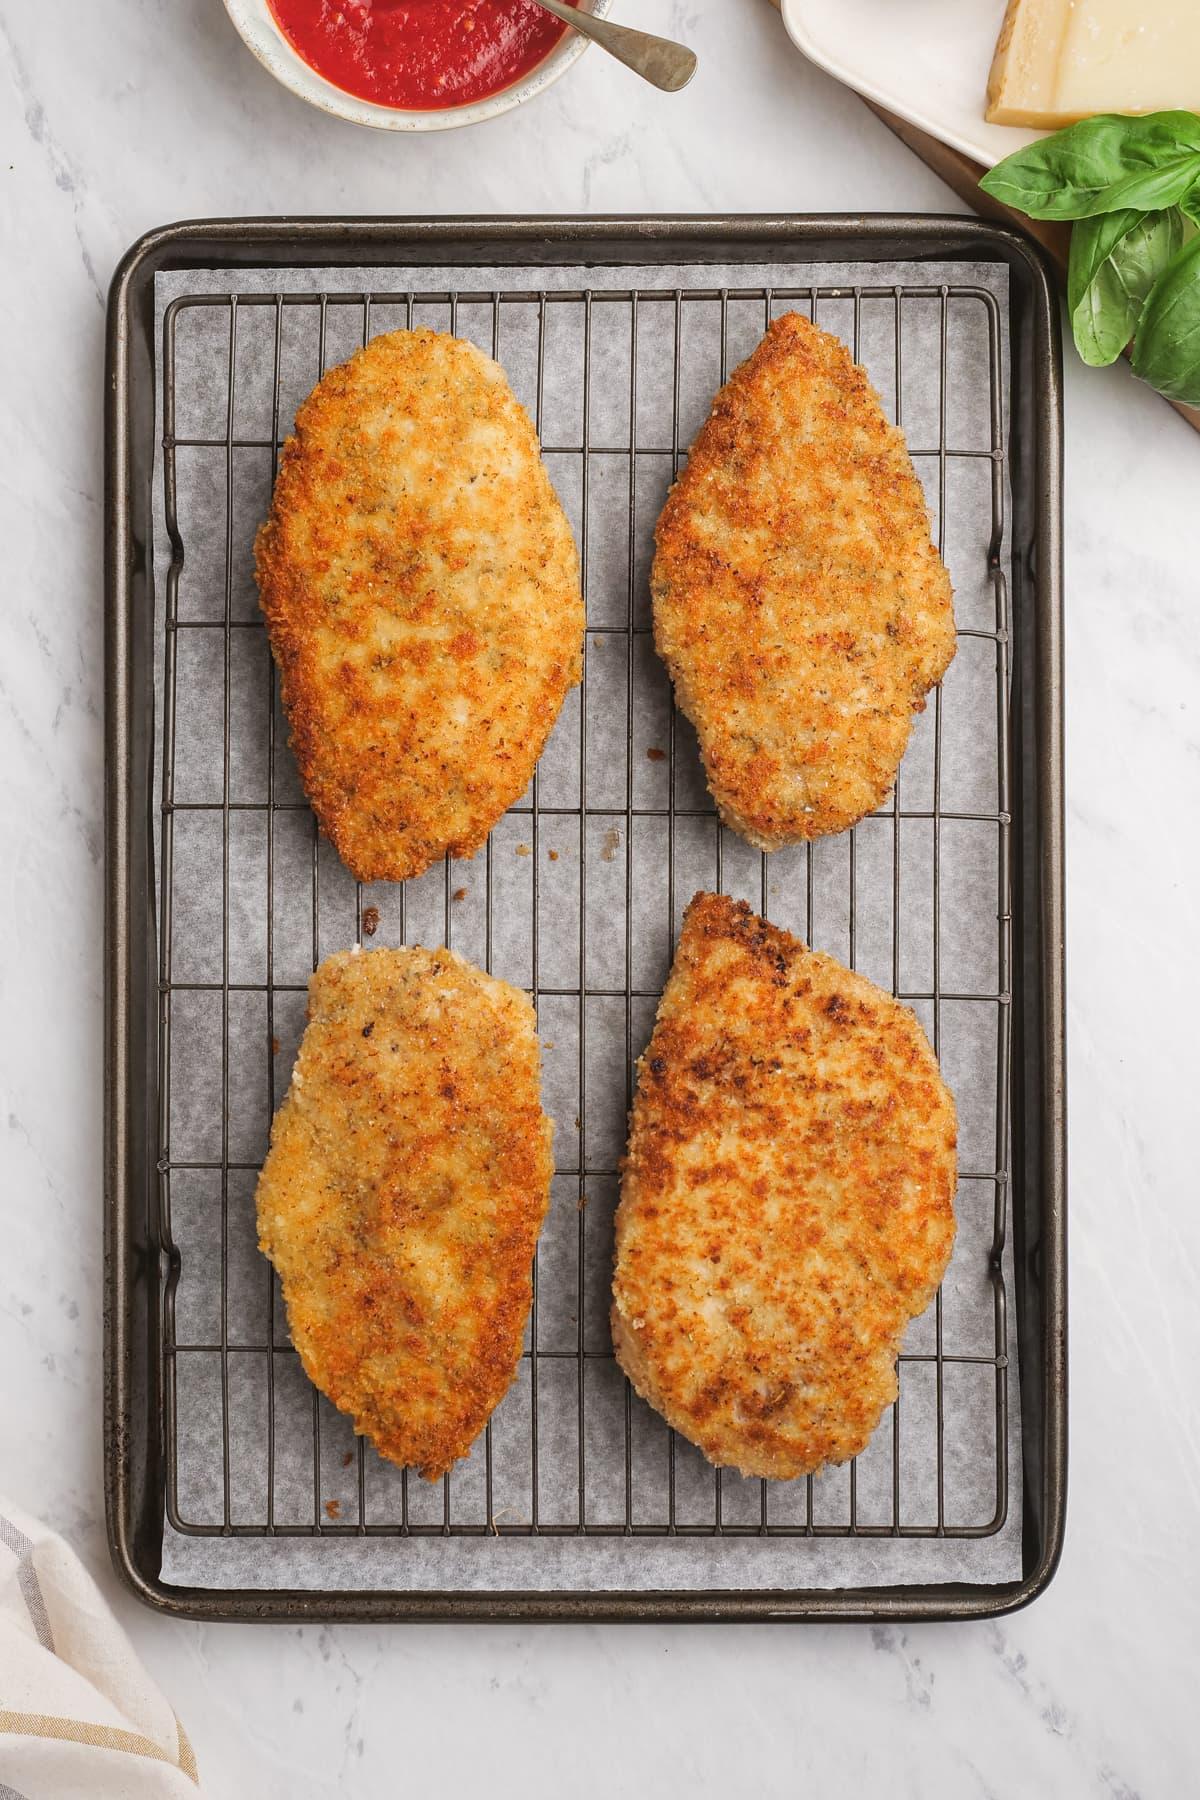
649,833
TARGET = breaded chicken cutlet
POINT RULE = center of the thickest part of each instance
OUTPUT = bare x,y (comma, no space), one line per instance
402,1197
787,1199
799,605
421,589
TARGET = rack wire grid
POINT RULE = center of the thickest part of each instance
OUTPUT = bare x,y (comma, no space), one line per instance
250,895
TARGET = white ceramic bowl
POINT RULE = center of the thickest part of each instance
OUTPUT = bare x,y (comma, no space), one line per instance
256,24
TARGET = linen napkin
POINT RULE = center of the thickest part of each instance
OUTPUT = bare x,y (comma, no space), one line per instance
80,1719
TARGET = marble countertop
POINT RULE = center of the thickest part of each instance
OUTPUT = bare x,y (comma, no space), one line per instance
123,115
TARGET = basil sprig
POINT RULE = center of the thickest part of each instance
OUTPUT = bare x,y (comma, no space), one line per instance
1132,184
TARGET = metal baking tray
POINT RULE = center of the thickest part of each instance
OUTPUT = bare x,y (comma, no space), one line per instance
142,1351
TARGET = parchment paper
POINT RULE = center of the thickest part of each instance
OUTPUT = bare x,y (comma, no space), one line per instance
222,490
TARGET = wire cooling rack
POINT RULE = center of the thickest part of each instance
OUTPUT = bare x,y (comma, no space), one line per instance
577,897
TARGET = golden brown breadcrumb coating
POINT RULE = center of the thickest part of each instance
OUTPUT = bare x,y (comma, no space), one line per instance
402,1197
787,1200
799,604
421,589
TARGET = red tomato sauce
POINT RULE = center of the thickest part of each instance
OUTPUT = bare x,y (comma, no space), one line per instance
416,54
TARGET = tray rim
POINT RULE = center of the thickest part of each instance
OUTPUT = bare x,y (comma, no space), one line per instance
383,240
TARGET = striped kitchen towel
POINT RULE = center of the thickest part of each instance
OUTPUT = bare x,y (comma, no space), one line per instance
80,1719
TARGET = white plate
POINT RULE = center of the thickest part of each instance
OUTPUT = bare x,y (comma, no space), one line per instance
926,60
256,24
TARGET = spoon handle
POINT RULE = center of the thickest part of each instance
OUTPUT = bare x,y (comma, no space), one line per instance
668,65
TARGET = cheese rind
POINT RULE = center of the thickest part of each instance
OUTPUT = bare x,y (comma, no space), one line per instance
1058,61
1025,67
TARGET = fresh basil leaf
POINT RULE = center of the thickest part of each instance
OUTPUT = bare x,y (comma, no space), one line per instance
1101,313
1092,243
1166,350
1081,171
1152,189
1189,205
1115,261
1144,252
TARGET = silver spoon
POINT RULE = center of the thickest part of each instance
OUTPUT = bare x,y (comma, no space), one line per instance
669,66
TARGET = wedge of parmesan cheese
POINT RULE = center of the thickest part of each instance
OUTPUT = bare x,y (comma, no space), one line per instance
1062,60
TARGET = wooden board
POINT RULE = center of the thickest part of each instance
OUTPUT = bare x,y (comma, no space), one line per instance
962,174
